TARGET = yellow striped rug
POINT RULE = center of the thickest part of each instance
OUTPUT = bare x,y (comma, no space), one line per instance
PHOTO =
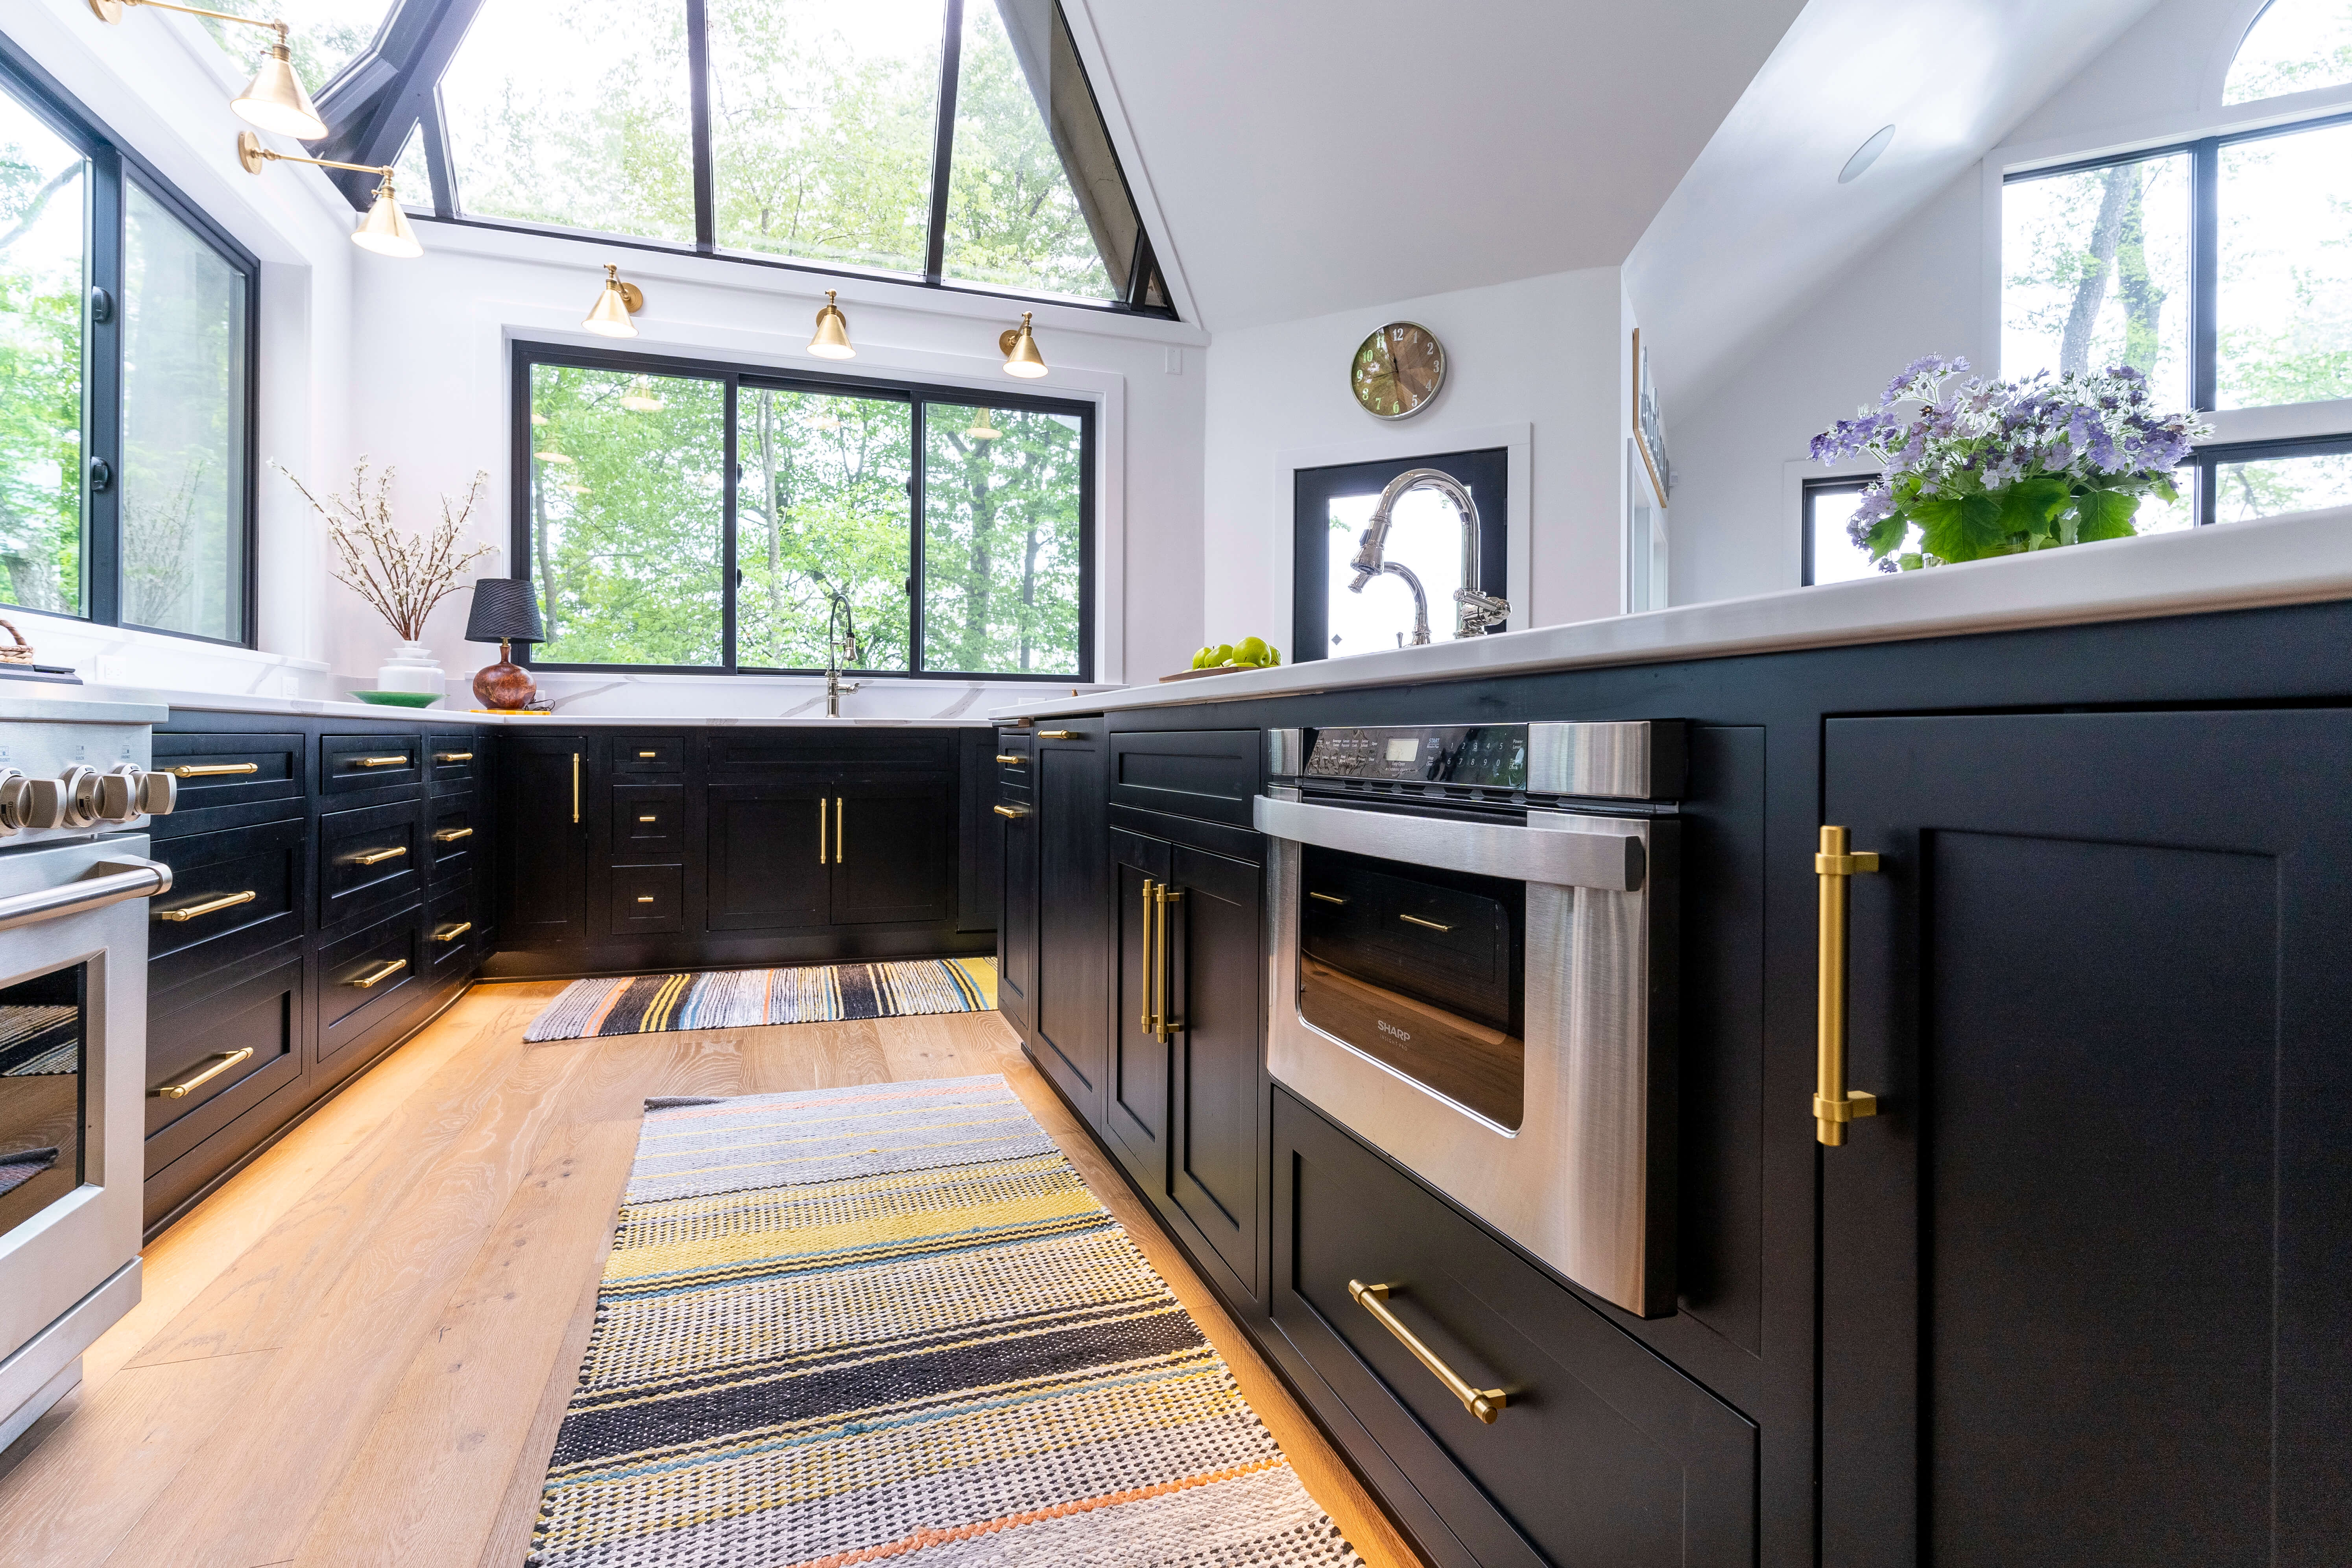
732,998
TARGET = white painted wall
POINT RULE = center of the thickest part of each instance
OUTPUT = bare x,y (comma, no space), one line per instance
1540,365
1930,287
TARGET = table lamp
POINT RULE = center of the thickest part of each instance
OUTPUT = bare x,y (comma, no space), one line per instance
506,610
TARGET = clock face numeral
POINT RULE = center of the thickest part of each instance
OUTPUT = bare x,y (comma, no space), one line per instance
1397,370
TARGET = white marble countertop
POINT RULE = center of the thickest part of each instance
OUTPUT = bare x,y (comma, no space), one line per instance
2299,558
35,703
155,701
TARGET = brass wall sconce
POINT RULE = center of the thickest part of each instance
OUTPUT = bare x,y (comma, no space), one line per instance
274,99
383,228
615,302
980,429
832,340
1020,349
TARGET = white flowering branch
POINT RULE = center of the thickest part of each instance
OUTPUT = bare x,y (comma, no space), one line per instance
401,576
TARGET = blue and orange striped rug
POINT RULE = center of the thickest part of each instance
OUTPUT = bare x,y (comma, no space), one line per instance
735,998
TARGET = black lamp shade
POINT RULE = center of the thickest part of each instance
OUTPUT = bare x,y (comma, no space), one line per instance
506,609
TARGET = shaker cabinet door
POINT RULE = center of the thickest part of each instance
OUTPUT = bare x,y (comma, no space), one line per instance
891,842
771,855
546,840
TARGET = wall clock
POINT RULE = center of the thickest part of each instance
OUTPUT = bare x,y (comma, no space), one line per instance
1398,370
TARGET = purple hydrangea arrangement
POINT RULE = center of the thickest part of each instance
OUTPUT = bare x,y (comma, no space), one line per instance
1999,468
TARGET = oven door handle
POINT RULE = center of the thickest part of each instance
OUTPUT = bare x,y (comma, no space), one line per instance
1608,854
109,882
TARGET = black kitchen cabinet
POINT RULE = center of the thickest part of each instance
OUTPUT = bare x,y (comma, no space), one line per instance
544,836
1014,815
892,859
1075,889
2083,1288
771,855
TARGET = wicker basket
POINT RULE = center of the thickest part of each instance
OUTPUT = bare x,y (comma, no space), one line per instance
22,653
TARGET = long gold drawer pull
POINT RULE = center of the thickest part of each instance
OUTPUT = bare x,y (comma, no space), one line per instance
840,821
1163,1015
451,834
822,807
392,966
1833,1104
1011,811
398,761
1009,760
1057,734
209,907
1148,1022
575,786
452,933
1328,898
212,771
379,855
221,1064
645,898
1485,1403
1416,919
452,756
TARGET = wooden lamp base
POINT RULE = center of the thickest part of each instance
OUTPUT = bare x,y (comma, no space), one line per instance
505,685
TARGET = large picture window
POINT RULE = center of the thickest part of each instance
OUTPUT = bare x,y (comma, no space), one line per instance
690,517
126,382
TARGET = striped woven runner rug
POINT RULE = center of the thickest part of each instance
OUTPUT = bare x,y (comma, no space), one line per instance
889,1324
732,998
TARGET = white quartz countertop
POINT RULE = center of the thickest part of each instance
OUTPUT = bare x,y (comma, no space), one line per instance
74,705
152,703
2300,559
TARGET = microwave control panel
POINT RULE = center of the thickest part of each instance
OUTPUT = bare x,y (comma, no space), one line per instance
1488,756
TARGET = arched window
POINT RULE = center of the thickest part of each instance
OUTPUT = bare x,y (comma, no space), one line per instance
2292,47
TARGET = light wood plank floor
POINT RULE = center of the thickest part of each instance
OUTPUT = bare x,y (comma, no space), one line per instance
358,1350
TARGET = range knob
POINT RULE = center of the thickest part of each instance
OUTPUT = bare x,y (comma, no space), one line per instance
130,791
16,802
68,800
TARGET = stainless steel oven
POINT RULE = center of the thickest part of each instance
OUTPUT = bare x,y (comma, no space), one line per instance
1473,970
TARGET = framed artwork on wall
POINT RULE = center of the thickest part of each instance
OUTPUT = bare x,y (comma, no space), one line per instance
1648,425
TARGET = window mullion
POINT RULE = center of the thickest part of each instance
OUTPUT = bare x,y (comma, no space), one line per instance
102,392
697,76
943,140
730,488
920,444
2205,275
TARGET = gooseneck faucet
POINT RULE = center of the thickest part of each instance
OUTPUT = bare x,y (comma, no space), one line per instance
1473,612
839,614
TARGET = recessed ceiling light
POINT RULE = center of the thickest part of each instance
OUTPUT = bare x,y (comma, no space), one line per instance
1865,155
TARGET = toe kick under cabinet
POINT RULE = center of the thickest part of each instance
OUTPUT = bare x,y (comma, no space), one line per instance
325,903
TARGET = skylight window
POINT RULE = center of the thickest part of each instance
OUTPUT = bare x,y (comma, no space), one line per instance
2292,47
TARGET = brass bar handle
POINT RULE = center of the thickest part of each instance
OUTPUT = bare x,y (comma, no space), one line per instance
1161,897
1485,1403
392,966
647,756
452,933
452,756
1328,898
378,857
211,770
1010,759
1416,919
575,786
1011,811
645,898
821,831
1834,1105
221,1064
655,818
399,762
209,907
1057,734
451,834
1147,1023
840,821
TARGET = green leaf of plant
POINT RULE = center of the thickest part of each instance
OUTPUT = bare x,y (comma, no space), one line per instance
1976,531
2028,506
2105,514
1886,534
1942,526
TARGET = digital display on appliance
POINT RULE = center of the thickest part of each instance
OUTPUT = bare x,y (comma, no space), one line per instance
1403,748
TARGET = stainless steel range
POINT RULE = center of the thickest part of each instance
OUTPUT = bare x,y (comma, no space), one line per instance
74,881
1473,956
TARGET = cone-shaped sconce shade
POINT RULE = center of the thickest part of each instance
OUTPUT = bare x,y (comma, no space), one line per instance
1021,356
832,340
609,316
275,100
981,430
384,228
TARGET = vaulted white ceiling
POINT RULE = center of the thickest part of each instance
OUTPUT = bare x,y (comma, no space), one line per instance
1313,155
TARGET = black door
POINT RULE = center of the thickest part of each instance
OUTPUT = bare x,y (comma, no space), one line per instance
1017,929
1216,1005
1137,1096
772,850
1074,913
2085,1290
891,859
546,849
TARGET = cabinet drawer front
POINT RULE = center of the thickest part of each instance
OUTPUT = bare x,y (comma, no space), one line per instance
455,827
234,894
1663,1473
454,759
348,763
1210,773
866,750
369,857
648,820
218,768
634,753
220,1056
648,899
451,933
1013,759
366,978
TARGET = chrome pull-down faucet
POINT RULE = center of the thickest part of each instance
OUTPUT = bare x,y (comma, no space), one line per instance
1474,614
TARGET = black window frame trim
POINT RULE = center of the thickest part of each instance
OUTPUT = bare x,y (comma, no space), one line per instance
733,376
114,164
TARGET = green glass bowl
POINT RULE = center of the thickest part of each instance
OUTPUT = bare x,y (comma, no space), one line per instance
399,699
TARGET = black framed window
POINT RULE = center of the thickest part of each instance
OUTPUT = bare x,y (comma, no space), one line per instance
1329,509
1830,554
685,516
127,343
954,143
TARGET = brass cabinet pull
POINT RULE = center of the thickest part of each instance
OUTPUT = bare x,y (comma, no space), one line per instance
645,898
1485,1403
1834,1105
1328,898
1011,811
1164,1022
1009,760
1148,1022
647,756
392,966
209,770
452,756
840,820
378,855
575,786
398,761
1416,919
451,834
1057,734
221,1064
209,907
655,818
452,933
820,831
